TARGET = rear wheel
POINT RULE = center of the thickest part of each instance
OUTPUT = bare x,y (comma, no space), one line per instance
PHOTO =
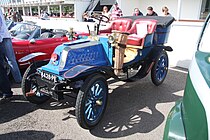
30,88
160,69
91,101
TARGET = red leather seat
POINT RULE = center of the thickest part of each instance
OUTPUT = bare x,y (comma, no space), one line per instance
121,24
136,39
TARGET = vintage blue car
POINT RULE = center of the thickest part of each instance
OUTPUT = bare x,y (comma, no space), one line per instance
130,48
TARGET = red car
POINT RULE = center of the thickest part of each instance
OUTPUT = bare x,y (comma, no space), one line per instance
31,43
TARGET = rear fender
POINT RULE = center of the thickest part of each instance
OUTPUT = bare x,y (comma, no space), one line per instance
149,61
30,56
157,50
168,48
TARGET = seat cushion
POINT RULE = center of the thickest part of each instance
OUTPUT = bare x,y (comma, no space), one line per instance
134,39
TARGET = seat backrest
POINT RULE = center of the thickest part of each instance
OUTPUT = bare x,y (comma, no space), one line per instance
142,29
121,24
151,25
45,35
58,35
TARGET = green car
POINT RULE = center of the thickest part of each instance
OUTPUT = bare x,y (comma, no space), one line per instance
190,117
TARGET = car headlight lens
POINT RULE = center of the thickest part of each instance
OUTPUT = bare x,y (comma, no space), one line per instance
111,39
54,57
63,58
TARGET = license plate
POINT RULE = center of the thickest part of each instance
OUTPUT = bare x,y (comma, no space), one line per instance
48,76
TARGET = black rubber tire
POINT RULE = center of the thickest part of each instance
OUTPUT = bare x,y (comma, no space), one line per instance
81,98
155,81
26,85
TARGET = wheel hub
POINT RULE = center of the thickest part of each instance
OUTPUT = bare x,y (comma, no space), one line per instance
162,67
99,102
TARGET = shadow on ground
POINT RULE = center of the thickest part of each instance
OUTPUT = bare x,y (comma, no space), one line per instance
17,107
27,135
132,108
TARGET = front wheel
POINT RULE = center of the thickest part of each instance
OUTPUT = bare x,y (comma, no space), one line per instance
160,69
31,90
91,101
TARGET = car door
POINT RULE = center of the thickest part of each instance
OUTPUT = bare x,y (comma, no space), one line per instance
21,50
45,45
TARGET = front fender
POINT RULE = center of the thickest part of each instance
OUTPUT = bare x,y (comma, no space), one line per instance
174,128
30,56
81,71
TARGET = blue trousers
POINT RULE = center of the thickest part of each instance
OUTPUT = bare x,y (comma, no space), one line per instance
10,55
5,88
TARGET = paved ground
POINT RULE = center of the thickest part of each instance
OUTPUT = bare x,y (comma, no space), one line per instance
136,110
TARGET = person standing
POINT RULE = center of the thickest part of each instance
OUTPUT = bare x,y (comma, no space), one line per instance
14,16
86,18
19,17
165,11
44,15
116,12
150,12
137,12
105,12
6,46
5,88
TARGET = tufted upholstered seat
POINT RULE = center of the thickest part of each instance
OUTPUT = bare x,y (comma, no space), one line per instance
122,25
137,37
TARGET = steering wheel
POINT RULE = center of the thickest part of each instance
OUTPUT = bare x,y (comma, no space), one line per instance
102,18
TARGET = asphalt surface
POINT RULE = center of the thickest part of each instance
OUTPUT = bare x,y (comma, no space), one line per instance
136,110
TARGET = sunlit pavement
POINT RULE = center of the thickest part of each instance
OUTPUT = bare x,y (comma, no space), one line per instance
136,110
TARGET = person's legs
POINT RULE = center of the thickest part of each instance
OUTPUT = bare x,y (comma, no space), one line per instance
5,87
9,52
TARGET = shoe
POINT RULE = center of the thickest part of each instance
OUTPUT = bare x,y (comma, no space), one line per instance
18,82
5,99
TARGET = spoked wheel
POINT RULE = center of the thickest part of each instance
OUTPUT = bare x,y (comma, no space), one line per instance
160,69
31,90
91,101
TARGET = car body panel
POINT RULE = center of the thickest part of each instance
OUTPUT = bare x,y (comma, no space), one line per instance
21,49
203,59
82,52
46,46
194,114
195,109
77,70
174,125
24,46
